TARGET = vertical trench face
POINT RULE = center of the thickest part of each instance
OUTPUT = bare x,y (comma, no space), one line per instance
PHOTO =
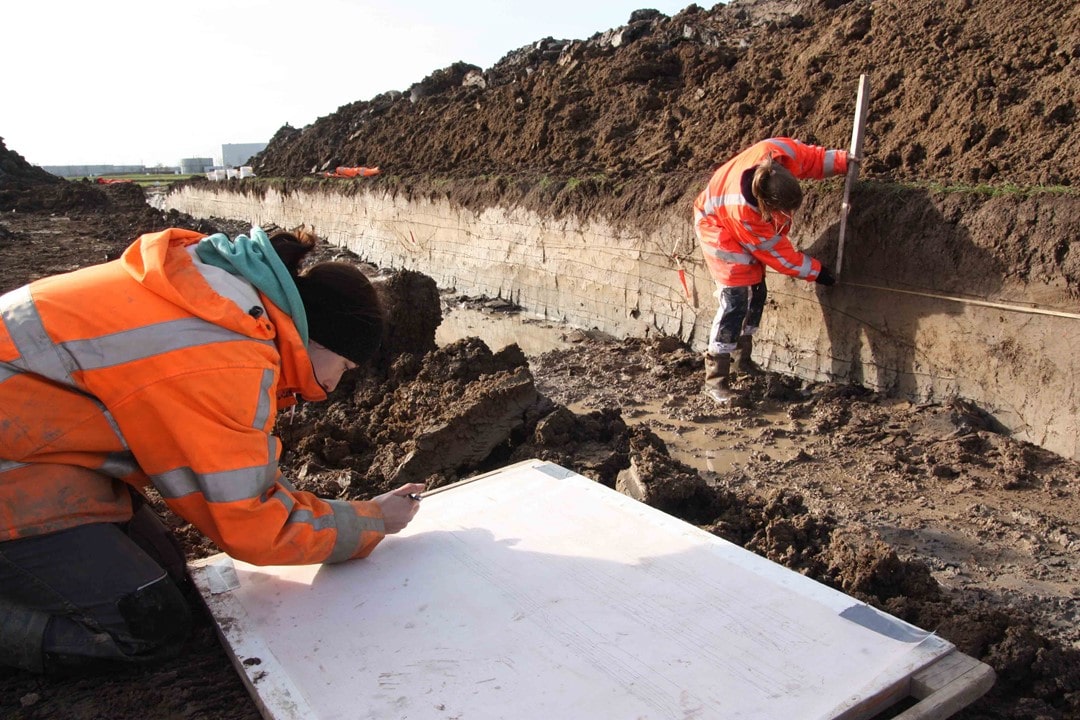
901,322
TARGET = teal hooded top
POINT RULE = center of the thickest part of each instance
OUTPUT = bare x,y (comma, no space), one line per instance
254,259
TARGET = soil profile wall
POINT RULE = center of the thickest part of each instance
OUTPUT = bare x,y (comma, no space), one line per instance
929,307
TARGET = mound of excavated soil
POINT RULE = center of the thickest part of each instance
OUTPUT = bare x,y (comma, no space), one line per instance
15,172
961,92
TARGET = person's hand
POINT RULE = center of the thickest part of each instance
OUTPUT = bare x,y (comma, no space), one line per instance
825,277
398,508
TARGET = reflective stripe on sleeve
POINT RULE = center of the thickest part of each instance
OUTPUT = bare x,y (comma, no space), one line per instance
728,257
350,528
830,162
37,352
802,270
764,245
784,147
227,486
730,200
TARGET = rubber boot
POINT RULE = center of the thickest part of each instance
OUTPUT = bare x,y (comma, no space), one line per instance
22,633
716,386
744,363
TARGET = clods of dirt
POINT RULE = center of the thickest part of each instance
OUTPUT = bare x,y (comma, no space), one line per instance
961,92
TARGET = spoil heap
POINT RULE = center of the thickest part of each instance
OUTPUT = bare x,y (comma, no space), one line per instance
962,92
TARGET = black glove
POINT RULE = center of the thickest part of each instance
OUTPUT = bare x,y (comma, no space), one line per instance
825,277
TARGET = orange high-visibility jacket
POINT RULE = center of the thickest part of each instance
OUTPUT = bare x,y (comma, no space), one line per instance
736,241
160,369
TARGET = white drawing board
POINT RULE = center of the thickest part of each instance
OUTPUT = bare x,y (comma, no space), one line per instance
535,593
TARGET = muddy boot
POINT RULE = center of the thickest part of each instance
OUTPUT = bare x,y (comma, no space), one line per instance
22,631
716,378
743,362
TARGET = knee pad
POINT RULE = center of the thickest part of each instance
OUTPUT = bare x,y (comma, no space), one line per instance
157,616
22,631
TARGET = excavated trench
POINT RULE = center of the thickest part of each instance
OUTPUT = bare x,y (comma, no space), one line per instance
942,295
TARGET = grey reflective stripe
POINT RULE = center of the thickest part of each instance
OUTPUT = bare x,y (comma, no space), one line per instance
262,410
36,349
830,162
119,464
112,422
283,498
734,258
8,371
224,283
228,486
271,448
802,270
784,147
730,200
806,268
38,353
149,340
765,245
350,528
41,356
6,465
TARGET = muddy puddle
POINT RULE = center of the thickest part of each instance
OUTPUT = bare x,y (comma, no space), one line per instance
498,329
709,448
706,447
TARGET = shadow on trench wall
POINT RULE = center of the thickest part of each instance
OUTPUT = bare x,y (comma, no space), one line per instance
900,238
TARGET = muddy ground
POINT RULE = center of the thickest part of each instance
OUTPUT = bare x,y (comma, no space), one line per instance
923,511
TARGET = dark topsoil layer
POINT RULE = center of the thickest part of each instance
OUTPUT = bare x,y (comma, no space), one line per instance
963,92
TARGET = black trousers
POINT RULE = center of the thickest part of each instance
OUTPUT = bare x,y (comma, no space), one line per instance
102,591
739,313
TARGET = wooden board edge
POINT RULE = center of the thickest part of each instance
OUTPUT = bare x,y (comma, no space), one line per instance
948,686
276,697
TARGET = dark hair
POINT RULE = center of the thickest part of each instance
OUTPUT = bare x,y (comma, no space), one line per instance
776,189
344,313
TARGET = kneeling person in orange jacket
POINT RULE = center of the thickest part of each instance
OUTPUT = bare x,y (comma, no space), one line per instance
166,368
742,220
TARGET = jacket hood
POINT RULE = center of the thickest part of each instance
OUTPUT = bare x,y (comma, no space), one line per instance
160,263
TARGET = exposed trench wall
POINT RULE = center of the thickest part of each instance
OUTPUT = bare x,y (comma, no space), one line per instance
1020,367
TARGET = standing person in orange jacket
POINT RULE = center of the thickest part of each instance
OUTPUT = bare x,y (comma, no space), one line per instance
742,220
166,368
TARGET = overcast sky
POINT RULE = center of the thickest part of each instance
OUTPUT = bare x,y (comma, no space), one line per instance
148,82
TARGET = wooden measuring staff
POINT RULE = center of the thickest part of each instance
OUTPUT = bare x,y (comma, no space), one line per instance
861,102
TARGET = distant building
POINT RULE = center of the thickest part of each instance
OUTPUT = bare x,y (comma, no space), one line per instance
195,166
238,154
67,171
